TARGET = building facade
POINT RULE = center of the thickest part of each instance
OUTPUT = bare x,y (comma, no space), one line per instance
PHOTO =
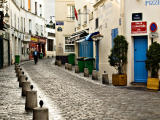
139,23
64,18
26,22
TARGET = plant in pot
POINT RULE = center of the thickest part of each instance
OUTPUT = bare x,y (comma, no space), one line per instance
153,65
117,59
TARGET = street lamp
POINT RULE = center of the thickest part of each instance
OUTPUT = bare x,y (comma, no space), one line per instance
97,37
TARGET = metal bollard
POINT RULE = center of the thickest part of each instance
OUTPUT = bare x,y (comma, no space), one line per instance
66,65
31,99
70,67
94,75
40,113
86,72
105,79
25,87
76,69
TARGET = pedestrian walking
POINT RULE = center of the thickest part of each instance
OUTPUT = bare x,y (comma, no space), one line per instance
35,55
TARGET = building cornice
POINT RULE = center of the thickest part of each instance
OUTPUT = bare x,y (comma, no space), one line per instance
99,3
15,4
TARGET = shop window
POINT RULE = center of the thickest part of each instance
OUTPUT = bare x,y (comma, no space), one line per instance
50,45
69,45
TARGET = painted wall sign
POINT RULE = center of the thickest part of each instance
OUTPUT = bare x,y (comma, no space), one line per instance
153,27
138,27
136,16
152,2
59,23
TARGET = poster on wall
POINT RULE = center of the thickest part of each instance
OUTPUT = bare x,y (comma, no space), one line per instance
138,27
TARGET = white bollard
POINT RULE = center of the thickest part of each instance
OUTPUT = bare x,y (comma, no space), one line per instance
25,87
31,100
40,113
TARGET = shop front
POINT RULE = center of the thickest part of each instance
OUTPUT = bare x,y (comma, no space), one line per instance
37,43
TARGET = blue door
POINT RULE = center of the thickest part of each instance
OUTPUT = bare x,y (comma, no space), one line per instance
140,49
97,55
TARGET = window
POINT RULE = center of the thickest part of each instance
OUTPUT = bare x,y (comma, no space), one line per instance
36,8
21,24
29,5
69,45
85,14
71,15
96,23
79,17
40,6
30,26
24,25
50,44
114,34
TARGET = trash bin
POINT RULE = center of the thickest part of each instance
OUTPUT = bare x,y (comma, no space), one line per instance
41,55
81,64
71,59
89,63
17,58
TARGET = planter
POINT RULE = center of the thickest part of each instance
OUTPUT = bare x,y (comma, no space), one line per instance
119,80
153,83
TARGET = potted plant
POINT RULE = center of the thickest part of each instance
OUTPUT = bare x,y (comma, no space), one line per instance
153,65
118,58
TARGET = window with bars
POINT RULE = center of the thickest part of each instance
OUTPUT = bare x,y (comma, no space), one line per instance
96,23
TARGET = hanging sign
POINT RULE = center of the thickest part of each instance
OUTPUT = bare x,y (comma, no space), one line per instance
138,27
153,27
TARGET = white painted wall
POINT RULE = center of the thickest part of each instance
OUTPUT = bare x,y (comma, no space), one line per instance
149,15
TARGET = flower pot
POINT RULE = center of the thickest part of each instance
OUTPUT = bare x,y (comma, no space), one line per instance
153,83
119,80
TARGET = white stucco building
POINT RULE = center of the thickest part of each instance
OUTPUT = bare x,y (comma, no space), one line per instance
137,17
64,18
26,21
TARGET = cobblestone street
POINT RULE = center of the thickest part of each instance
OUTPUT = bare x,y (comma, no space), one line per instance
71,97
78,99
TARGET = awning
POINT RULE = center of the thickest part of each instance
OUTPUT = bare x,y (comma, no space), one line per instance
82,40
78,35
89,37
97,37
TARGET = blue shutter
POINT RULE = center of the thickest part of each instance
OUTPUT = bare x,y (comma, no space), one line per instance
114,33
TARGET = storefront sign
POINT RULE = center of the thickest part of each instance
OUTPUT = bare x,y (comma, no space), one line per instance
34,39
42,40
136,16
152,2
153,27
138,27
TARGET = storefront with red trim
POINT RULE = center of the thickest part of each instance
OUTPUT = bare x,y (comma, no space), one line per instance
37,43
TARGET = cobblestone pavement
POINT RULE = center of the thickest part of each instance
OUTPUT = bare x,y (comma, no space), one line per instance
12,105
78,99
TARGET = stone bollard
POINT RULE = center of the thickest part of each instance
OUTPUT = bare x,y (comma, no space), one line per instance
25,87
16,65
66,65
22,79
59,63
17,71
76,69
20,75
31,99
55,62
40,113
105,79
70,67
94,75
86,72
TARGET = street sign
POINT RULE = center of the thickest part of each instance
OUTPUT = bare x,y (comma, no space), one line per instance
153,35
136,16
153,27
138,27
